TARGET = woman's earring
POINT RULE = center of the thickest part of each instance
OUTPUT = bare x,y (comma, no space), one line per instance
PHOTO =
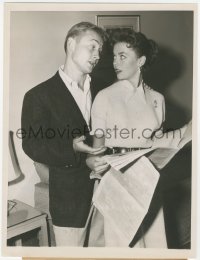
140,76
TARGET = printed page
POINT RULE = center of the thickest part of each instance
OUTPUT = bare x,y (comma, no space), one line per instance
175,139
118,161
187,136
124,198
164,149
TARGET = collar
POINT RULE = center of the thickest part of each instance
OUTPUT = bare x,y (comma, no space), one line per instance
139,91
72,83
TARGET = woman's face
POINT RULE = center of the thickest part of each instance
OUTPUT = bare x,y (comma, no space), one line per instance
126,62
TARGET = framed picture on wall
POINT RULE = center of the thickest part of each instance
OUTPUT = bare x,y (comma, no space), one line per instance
115,21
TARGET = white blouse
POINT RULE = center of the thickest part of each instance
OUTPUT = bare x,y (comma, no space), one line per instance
126,117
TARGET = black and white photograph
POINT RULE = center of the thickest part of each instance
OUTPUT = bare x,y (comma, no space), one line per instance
99,130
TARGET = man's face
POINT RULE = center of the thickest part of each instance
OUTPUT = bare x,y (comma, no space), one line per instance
86,51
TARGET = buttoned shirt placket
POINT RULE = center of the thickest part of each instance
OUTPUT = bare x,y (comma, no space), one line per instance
82,97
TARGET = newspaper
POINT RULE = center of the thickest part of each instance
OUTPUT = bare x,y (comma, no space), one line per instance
123,196
162,151
123,201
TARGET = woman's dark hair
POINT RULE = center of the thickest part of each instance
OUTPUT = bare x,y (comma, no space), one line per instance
138,42
81,27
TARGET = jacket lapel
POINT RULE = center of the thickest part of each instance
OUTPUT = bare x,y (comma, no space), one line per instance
71,104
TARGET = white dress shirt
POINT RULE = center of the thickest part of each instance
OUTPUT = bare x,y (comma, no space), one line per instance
82,97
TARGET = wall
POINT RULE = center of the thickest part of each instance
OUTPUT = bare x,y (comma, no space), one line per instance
37,51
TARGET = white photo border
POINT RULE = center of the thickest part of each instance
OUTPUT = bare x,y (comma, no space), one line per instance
96,252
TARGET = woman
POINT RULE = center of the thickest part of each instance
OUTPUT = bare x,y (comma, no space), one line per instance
126,115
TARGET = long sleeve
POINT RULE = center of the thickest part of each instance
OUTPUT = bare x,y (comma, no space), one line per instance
43,141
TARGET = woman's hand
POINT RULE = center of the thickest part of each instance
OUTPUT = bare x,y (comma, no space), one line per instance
80,146
97,164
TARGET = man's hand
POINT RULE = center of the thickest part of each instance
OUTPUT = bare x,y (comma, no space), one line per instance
97,164
80,146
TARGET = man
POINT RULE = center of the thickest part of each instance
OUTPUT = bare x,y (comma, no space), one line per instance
54,114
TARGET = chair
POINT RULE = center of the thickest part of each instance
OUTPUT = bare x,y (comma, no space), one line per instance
15,174
41,197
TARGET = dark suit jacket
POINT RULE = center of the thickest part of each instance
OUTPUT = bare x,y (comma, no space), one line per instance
50,121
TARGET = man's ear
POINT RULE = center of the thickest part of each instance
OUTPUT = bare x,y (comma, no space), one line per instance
142,61
71,44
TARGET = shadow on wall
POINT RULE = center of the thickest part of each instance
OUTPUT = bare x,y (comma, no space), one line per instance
176,185
175,180
103,74
176,176
168,67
